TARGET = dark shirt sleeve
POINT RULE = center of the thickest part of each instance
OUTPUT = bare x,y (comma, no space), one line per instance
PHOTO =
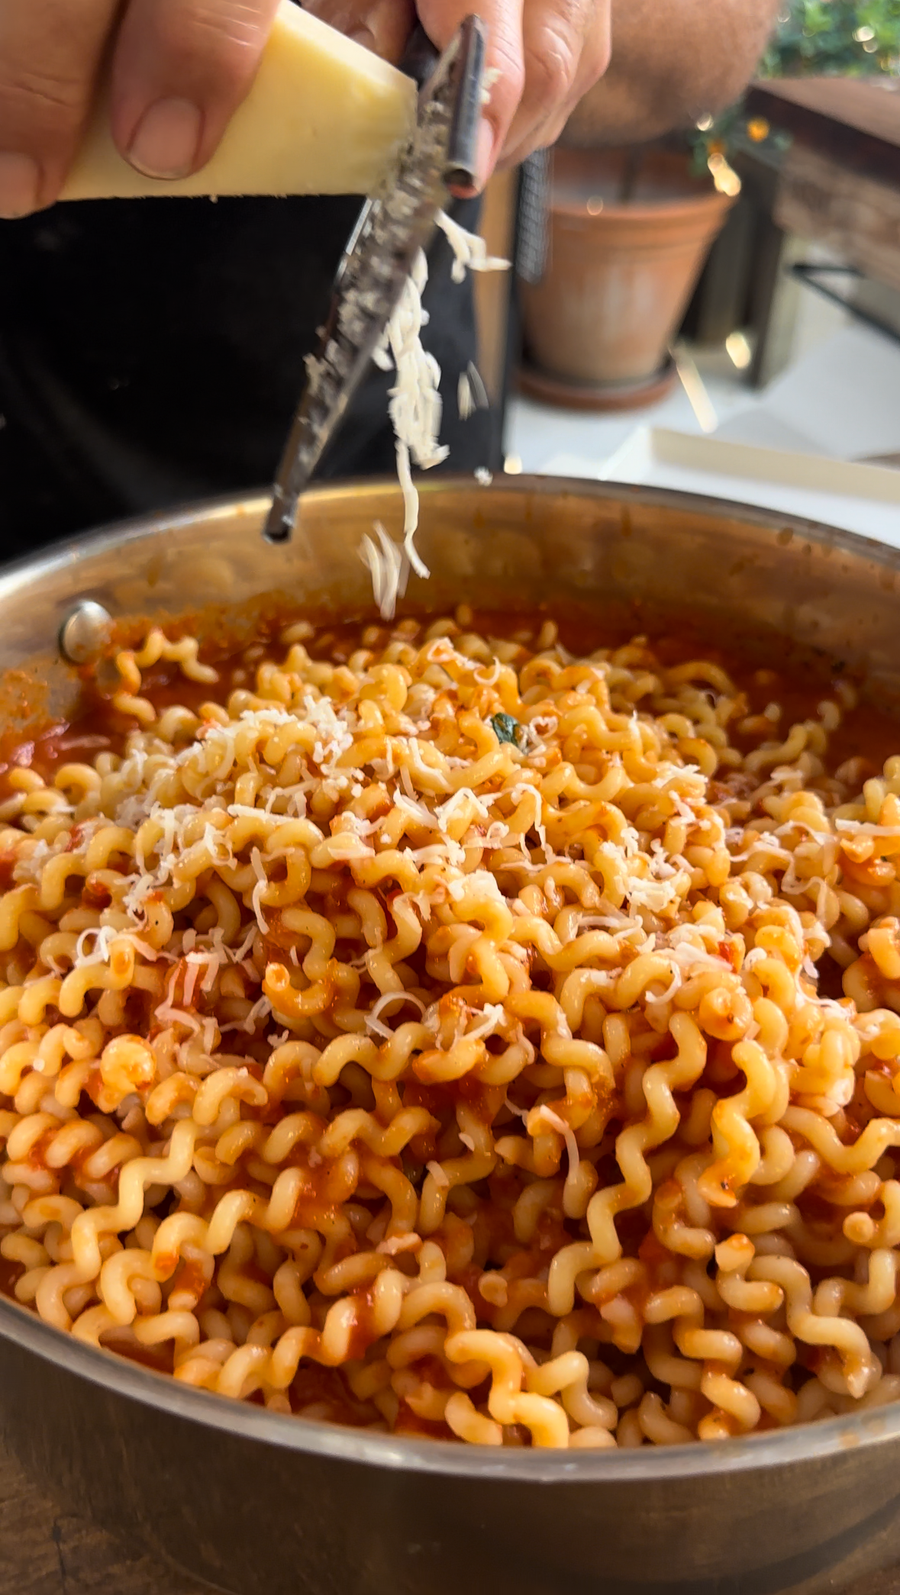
151,352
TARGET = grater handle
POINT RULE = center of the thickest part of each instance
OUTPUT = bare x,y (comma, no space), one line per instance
532,243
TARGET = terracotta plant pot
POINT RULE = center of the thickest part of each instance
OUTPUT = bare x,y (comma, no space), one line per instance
619,277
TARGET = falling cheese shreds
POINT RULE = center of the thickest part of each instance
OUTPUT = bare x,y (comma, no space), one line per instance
415,408
410,512
469,250
388,567
465,399
476,382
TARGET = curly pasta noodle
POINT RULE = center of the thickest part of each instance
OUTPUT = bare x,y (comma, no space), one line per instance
431,1033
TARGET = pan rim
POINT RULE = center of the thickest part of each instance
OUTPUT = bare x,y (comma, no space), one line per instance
813,1442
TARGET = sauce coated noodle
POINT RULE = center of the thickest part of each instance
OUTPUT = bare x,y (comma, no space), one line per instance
455,1037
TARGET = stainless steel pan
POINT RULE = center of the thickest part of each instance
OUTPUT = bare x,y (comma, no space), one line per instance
264,1505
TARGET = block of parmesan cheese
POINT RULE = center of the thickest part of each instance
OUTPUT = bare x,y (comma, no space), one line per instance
324,116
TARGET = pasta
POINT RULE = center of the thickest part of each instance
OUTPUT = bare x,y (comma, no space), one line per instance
430,1029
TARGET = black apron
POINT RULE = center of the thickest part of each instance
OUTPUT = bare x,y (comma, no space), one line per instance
151,353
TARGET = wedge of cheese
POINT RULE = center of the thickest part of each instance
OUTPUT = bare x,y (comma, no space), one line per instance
324,116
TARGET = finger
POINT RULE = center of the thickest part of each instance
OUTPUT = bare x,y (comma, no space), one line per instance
50,52
503,57
181,68
554,32
592,64
381,25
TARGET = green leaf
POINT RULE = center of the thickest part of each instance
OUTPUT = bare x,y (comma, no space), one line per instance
821,37
506,728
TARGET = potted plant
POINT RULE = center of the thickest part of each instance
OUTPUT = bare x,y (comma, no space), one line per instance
630,231
846,38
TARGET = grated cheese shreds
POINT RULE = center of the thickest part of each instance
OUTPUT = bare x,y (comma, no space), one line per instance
415,409
476,382
465,399
415,400
389,570
492,75
410,513
469,250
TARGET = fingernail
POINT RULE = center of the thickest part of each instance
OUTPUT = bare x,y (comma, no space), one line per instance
362,35
484,151
167,140
20,180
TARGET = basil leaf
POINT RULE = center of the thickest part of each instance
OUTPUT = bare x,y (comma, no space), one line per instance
507,729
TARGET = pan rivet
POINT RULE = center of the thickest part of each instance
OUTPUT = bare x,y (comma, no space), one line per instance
84,631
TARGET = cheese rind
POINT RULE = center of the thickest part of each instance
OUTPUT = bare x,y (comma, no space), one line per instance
324,116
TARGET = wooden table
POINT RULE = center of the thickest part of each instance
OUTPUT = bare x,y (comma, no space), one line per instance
47,1552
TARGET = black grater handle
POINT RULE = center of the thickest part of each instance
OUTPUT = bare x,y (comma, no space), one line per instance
532,235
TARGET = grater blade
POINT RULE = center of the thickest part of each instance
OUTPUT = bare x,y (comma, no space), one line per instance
377,263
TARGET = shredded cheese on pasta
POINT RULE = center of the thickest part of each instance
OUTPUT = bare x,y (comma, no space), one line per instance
430,1036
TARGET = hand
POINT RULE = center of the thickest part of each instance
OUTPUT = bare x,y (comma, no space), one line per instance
180,68
547,54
